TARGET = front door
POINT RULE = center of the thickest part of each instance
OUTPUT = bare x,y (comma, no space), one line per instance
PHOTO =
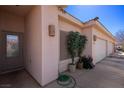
11,51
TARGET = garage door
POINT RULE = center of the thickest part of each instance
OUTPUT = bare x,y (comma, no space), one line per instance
99,50
110,48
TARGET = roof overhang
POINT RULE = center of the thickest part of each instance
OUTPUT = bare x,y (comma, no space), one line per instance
98,25
20,10
71,19
62,6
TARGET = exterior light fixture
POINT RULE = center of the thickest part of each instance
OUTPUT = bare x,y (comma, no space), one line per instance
94,37
51,29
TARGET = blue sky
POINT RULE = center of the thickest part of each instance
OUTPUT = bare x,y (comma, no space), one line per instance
112,17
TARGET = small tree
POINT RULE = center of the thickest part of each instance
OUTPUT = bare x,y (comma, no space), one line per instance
82,42
73,44
120,38
120,35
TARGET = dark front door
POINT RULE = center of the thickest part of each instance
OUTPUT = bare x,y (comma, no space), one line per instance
11,51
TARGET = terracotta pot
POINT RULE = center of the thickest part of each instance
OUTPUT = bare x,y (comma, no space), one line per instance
79,65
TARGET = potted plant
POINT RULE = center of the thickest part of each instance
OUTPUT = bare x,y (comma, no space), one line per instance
88,62
72,46
81,46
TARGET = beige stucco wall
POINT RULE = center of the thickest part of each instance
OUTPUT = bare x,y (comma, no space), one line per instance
11,22
50,45
33,46
88,48
65,25
70,18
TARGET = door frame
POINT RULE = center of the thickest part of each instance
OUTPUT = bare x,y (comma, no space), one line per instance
5,43
17,61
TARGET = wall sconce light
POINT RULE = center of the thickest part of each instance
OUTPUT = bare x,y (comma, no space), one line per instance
51,30
94,37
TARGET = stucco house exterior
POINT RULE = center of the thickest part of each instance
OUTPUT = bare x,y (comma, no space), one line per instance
41,32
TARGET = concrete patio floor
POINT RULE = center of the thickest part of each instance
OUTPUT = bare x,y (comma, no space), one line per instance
18,79
109,73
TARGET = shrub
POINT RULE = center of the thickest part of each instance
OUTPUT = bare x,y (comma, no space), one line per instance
87,62
81,46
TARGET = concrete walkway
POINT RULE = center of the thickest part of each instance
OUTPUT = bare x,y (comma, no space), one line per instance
109,73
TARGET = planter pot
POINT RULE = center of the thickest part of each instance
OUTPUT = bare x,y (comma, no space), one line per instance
72,67
79,65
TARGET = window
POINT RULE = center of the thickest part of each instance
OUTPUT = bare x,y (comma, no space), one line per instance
63,45
12,45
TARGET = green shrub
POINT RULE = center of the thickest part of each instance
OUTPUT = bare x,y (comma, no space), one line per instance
73,44
82,43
